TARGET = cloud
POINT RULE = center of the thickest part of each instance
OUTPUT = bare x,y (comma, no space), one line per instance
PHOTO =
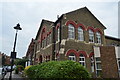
59,1
30,14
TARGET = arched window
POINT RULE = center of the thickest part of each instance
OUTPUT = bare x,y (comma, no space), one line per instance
80,34
72,57
82,59
98,37
58,34
71,31
92,63
50,38
42,44
91,36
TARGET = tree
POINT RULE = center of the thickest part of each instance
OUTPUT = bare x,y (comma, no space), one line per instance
20,62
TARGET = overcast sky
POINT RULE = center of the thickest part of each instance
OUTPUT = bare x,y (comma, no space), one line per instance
29,15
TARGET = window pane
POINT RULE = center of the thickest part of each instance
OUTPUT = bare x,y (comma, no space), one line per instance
98,37
98,59
99,72
80,34
91,36
98,65
82,59
72,57
119,64
58,34
71,31
92,63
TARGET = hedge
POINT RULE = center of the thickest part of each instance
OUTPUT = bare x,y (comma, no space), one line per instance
58,69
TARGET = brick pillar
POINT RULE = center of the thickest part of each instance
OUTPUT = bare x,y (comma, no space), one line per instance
108,62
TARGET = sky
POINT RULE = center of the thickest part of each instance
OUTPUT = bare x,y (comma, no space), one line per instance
30,14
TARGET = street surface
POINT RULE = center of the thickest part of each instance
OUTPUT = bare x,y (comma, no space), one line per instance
14,76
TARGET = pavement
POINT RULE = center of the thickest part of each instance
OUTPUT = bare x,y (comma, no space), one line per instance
14,76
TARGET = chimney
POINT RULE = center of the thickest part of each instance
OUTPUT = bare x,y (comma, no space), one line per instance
57,16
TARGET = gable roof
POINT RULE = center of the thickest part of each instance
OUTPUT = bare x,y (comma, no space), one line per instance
43,21
112,38
85,8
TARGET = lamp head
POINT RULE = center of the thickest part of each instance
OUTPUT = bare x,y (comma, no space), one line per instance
17,27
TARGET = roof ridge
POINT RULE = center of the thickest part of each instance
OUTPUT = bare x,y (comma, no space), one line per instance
47,20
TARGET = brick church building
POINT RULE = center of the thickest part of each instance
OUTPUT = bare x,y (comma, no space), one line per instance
79,36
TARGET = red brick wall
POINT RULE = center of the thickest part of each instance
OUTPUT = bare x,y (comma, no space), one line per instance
108,62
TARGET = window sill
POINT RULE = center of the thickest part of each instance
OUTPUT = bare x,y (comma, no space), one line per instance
98,44
46,46
57,42
71,39
91,43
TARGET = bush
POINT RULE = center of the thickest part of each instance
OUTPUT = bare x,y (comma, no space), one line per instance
19,68
58,69
26,68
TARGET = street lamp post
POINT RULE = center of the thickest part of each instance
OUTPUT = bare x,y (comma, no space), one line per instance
13,53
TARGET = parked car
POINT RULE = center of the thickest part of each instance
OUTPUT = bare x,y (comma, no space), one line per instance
8,68
4,70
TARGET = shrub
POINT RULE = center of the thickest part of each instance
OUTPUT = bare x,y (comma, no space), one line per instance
58,69
26,68
32,71
19,68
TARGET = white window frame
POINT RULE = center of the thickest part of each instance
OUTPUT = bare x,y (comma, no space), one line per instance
42,43
97,62
72,57
71,31
37,47
98,37
91,36
45,42
80,34
118,61
50,38
92,63
58,34
82,60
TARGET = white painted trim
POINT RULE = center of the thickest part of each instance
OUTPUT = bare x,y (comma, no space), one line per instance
63,41
38,51
61,51
96,51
